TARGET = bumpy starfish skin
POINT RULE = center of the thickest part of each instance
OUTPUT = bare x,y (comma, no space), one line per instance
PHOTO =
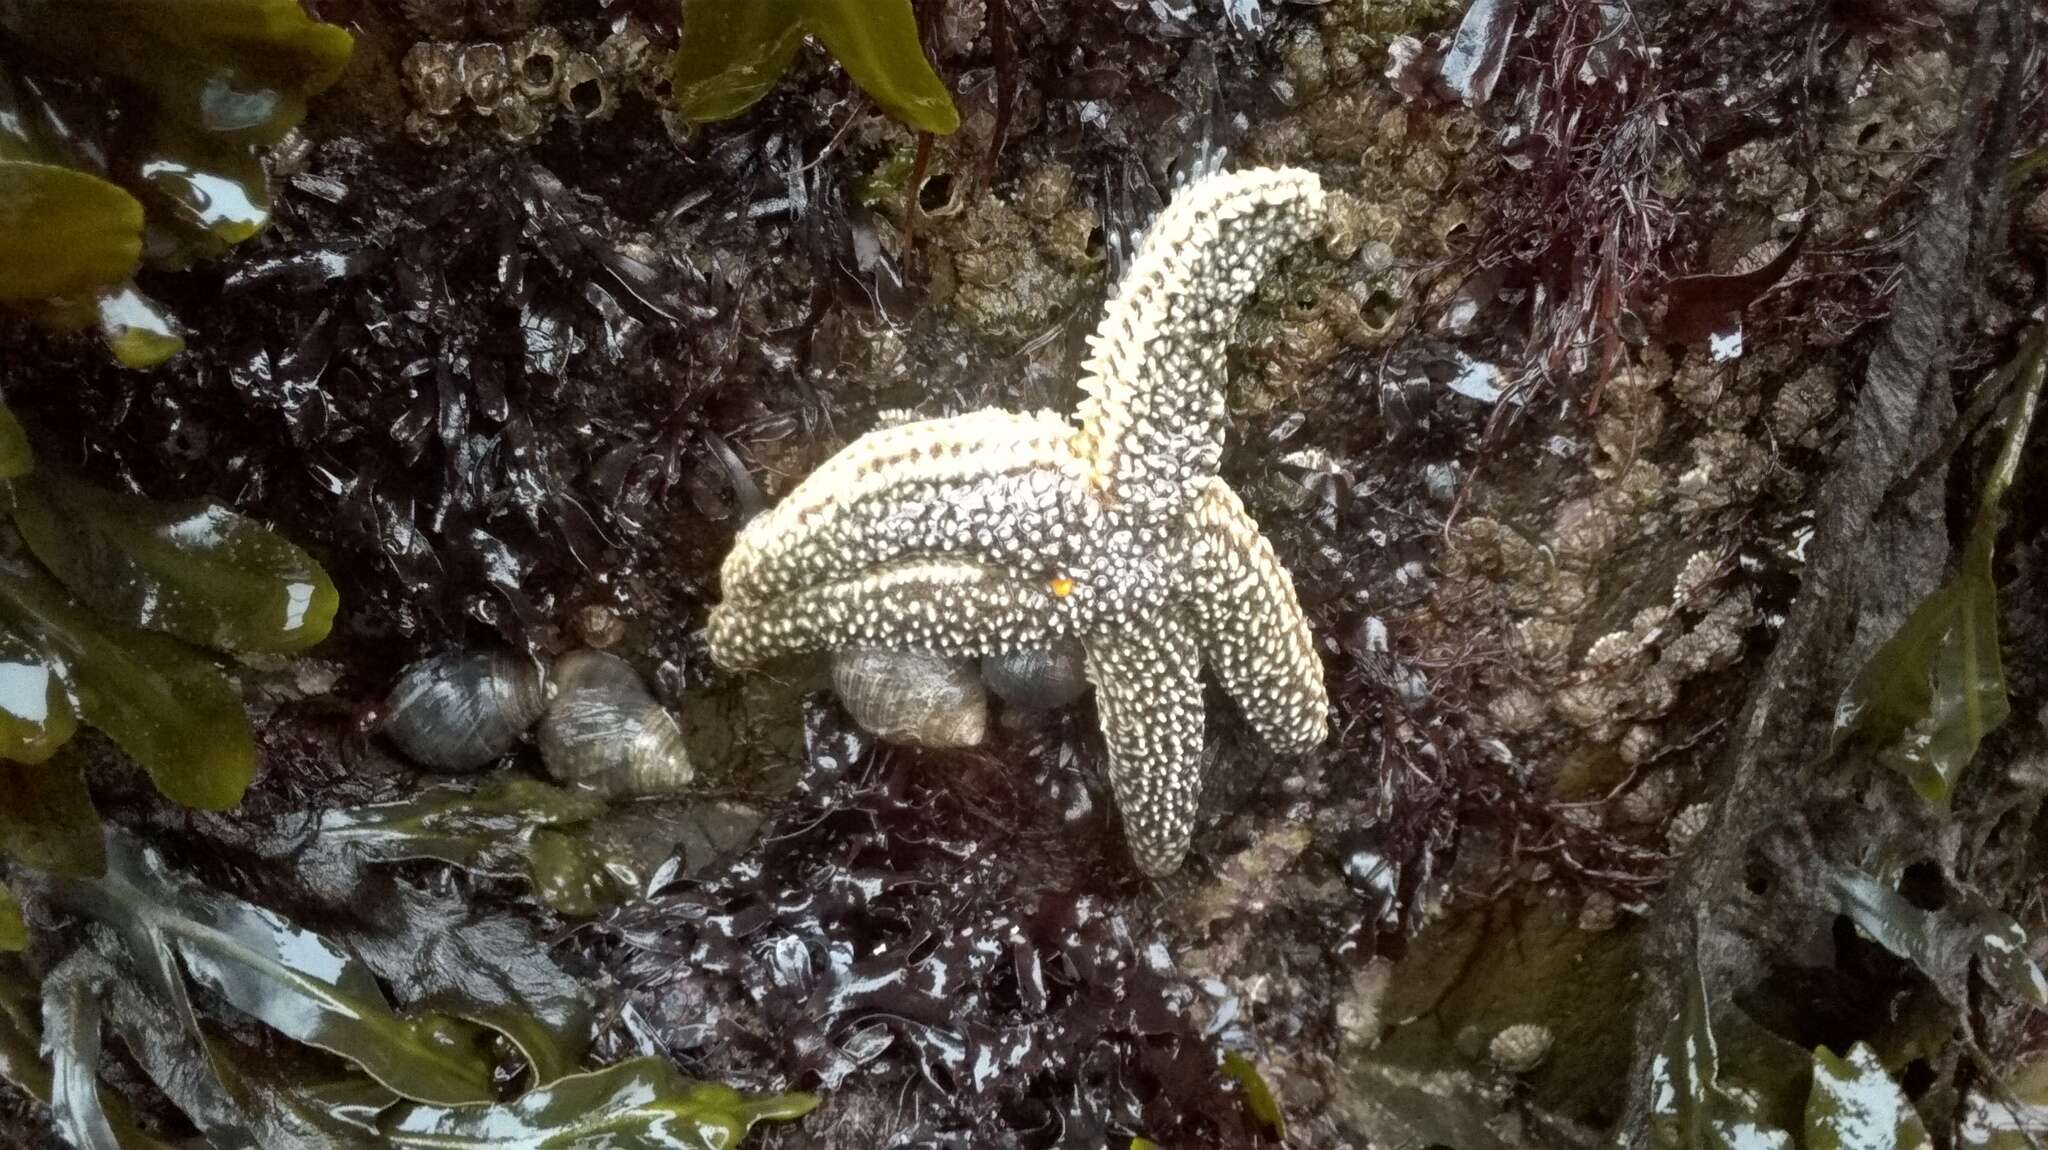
991,531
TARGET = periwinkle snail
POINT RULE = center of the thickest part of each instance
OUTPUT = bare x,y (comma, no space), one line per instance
600,727
934,701
605,730
462,712
1042,678
911,697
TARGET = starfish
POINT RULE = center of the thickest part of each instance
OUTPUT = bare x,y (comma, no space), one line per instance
995,531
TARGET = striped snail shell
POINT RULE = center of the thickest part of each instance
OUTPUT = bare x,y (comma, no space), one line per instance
911,697
606,731
461,712
1043,678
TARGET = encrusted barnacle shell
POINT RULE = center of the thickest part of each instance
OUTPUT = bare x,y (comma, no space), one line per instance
1638,743
429,130
1520,1048
1611,650
519,119
586,92
1687,825
1546,644
606,731
1044,678
461,712
626,53
1458,132
536,63
430,74
486,75
1650,801
1599,912
911,697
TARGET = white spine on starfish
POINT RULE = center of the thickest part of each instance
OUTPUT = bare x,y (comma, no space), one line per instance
942,606
1003,486
1152,422
1254,637
1148,690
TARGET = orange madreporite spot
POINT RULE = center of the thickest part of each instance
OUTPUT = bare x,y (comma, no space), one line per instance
1061,587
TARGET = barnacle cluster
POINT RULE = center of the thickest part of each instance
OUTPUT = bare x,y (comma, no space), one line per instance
521,85
175,175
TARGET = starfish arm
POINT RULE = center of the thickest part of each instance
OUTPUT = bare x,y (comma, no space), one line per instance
1250,625
991,486
1148,690
1152,422
946,607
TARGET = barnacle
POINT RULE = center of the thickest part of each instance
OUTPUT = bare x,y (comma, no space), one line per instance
202,88
586,91
431,76
536,61
733,51
485,73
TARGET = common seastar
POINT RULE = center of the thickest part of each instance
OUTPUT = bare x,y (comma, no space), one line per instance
994,531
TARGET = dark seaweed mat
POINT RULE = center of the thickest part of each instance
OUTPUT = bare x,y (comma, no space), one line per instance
885,934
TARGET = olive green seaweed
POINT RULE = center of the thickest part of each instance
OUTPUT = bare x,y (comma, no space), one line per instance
1942,943
733,51
63,231
2012,1115
21,1060
242,1098
572,876
13,931
20,1033
1258,1097
36,715
639,1104
193,569
232,1111
1694,1108
298,982
163,703
138,332
198,87
1855,1105
506,826
71,1030
238,69
48,821
1926,699
16,460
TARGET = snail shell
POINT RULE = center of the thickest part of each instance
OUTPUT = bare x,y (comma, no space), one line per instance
606,731
1044,678
457,712
910,697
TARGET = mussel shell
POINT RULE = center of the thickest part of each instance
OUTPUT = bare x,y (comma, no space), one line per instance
911,697
1037,677
606,731
461,712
